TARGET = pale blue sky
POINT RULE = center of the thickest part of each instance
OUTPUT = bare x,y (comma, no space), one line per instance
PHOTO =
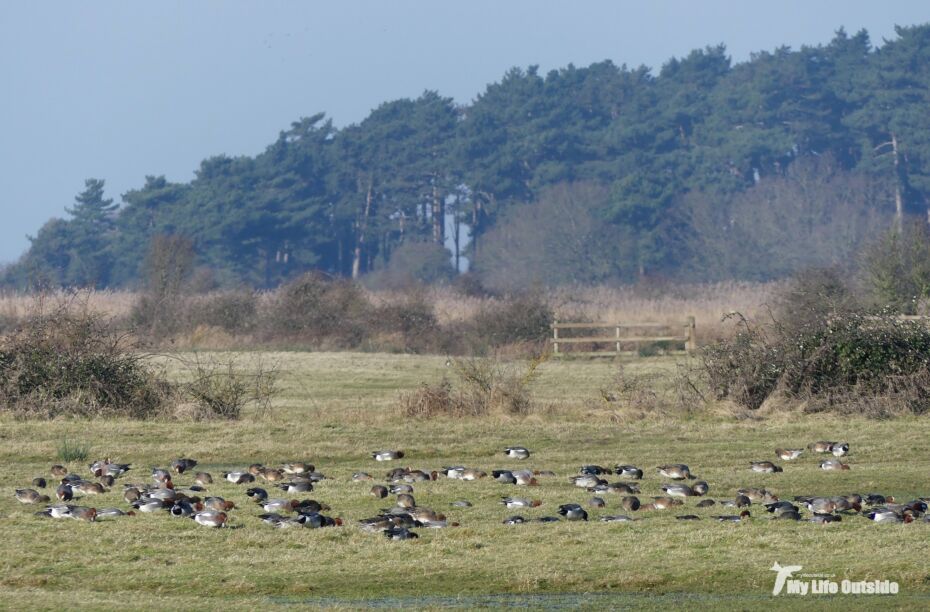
117,90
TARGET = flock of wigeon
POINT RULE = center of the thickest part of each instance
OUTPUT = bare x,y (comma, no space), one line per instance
396,523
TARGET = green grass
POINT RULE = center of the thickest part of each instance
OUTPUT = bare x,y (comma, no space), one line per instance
71,451
336,408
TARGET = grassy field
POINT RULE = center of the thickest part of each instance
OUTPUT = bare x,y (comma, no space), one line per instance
336,408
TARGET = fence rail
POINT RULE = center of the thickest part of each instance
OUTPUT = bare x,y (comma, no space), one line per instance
621,343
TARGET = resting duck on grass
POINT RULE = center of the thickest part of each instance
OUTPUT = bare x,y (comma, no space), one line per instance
677,490
298,467
733,518
788,454
629,471
239,477
833,465
183,464
31,496
211,518
621,488
203,478
400,533
617,518
821,446
387,455
630,503
517,452
520,502
573,512
300,486
675,471
764,467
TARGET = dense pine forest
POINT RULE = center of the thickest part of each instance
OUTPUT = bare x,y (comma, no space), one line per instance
704,170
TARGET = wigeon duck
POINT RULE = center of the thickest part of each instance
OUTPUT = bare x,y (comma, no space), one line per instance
504,476
732,518
688,517
106,480
31,496
302,486
764,467
788,515
520,502
547,519
361,477
59,471
461,503
471,474
573,512
885,515
594,470
315,520
64,492
219,504
257,494
597,502
876,499
630,503
833,465
298,467
788,454
82,513
272,475
395,489
167,495
379,491
184,509
309,506
453,473
622,488
183,464
88,488
820,505
821,447
517,452
239,477
844,505
387,455
59,511
706,503
131,494
840,449
740,501
617,518
148,505
629,471
677,490
211,518
700,488
279,505
664,503
255,469
675,471
823,519
525,478
405,500
203,478
109,468
39,483
399,533
419,476
586,481
113,513
757,495
780,507
514,520
160,475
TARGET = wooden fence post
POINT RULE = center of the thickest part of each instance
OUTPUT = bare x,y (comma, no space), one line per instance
618,339
555,337
691,343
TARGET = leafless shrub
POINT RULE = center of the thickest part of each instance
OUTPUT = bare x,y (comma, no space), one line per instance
222,388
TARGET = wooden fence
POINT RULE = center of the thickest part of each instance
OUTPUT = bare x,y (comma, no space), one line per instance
621,342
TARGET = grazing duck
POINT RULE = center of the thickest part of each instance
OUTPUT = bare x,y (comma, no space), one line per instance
39,483
82,513
309,506
675,471
379,491
315,520
396,489
239,477
59,471
677,490
821,447
203,478
757,495
594,470
183,464
780,507
257,494
64,492
211,518
184,509
664,503
833,465
302,486
131,494
461,503
514,520
700,488
621,488
789,515
387,455
617,518
517,452
840,449
573,512
525,478
31,496
688,517
113,513
272,475
88,488
732,518
597,502
706,503
361,477
399,533
298,467
106,480
255,469
148,505
472,474
764,467
160,475
419,476
405,500
740,501
788,454
59,511
218,504
520,502
504,476
629,471
630,503
586,481
823,519
547,519
884,515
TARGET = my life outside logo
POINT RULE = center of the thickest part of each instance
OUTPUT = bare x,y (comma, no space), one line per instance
820,584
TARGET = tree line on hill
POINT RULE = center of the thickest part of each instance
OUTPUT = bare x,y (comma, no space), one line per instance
705,170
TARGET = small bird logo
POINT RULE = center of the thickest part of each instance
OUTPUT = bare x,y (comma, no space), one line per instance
783,574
